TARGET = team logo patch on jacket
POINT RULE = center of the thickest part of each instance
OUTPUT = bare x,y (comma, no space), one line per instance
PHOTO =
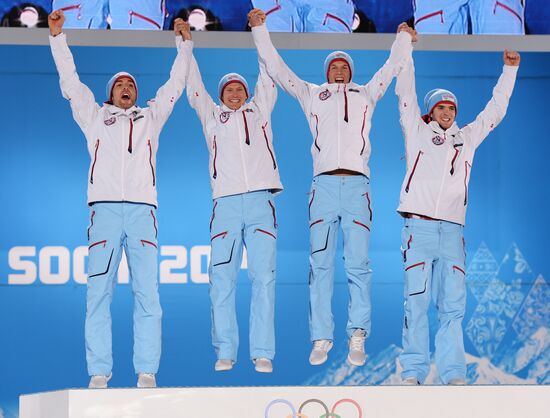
110,121
324,95
224,116
438,140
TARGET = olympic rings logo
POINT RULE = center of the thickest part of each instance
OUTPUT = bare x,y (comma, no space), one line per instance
301,414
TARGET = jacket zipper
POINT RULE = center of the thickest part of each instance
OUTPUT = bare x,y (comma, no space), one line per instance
439,12
130,136
508,9
412,172
316,131
242,159
95,160
345,105
453,161
268,148
466,165
363,129
215,174
151,160
247,136
142,17
338,127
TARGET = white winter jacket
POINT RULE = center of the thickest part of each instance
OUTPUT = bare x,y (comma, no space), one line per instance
439,162
240,142
122,143
339,115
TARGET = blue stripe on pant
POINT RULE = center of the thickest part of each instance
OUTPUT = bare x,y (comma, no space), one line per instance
339,201
114,226
434,270
245,219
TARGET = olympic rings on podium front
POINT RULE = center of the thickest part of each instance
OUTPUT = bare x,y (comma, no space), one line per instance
301,414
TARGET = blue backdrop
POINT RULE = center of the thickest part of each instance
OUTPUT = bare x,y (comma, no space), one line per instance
43,167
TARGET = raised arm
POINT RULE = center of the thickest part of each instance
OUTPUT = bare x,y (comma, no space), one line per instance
265,93
401,48
163,103
405,89
495,110
198,97
79,95
274,64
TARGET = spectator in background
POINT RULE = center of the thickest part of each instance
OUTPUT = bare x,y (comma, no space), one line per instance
484,16
115,14
308,15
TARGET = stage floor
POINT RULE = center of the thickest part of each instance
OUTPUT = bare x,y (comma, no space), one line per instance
502,401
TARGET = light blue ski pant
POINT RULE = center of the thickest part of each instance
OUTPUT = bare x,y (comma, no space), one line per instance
247,219
307,16
124,14
339,202
487,16
112,227
434,261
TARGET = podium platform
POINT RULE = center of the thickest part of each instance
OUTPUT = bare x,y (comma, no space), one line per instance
501,401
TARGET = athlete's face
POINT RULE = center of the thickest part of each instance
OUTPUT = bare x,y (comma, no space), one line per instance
124,93
339,72
234,95
444,114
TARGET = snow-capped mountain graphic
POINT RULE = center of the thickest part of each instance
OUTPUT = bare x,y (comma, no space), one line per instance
509,329
385,369
529,358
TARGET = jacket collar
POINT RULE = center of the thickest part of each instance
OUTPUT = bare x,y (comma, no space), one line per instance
333,87
117,111
436,128
224,108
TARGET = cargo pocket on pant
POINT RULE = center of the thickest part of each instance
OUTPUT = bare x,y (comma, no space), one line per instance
99,263
222,249
417,278
319,233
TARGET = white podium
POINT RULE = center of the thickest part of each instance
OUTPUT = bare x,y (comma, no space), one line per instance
501,401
